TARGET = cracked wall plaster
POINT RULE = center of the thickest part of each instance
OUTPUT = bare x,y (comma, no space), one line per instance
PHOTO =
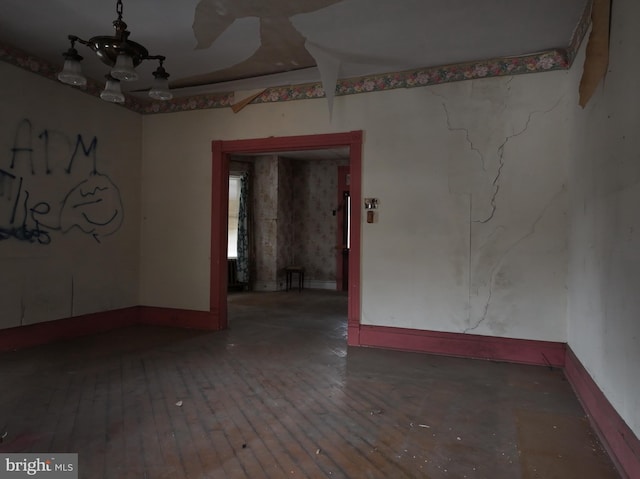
493,127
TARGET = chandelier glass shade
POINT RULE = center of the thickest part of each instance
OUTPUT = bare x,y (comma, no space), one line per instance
122,55
112,91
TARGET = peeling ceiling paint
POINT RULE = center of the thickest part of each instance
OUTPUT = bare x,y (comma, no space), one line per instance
215,46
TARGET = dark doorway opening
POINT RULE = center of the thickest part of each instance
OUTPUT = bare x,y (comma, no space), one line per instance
222,150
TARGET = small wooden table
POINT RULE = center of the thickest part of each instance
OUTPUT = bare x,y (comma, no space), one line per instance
299,270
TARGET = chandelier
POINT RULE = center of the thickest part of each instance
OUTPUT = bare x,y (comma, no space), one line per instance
122,55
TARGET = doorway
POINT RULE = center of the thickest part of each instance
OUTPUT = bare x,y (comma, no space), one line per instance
222,150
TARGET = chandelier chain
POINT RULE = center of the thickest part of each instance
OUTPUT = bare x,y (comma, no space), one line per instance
119,9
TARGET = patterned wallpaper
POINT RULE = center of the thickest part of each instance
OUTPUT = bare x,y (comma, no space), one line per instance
316,187
265,201
286,227
293,218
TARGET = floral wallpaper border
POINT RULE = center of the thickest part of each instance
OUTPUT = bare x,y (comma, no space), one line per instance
555,59
547,61
579,33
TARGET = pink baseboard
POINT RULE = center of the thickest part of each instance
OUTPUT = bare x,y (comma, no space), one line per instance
181,318
544,353
619,440
41,333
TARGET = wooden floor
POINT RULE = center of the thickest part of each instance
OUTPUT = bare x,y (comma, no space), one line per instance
280,395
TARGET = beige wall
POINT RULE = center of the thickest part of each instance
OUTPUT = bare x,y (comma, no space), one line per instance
604,272
69,232
439,257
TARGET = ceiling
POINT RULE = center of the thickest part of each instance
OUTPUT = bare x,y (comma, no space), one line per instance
216,46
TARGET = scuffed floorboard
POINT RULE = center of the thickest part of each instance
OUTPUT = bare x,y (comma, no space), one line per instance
280,394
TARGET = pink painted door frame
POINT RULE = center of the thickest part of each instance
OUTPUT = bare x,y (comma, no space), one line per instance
220,205
343,186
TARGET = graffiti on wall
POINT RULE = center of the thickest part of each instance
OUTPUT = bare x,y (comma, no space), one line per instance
51,185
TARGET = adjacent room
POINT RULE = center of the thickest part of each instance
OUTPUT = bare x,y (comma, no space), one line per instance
320,238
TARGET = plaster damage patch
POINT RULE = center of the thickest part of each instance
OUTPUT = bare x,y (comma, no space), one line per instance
281,46
367,37
479,173
495,270
329,67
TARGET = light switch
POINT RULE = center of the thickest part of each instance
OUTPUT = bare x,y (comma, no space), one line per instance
371,203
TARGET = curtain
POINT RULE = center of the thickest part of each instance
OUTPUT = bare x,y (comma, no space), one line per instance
243,230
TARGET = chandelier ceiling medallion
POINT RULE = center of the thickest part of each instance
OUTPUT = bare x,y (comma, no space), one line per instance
122,55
